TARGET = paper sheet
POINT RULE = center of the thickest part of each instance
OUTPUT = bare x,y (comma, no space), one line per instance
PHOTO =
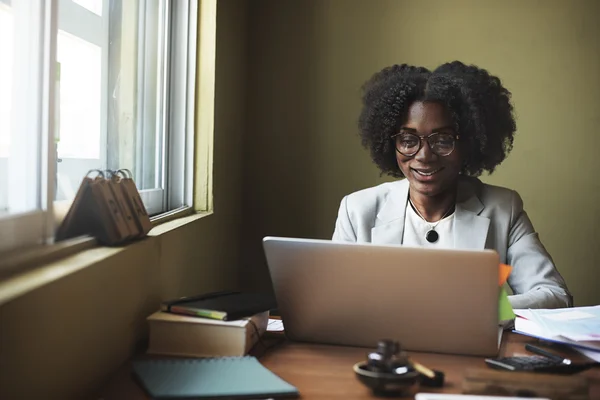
579,324
527,324
275,325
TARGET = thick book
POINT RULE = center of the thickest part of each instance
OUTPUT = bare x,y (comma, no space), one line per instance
180,335
227,377
226,306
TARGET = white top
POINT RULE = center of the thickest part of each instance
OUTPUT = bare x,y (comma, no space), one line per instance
415,230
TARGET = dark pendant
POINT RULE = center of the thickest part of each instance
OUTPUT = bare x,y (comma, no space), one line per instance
432,236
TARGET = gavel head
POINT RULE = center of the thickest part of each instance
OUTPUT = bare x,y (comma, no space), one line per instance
388,371
386,358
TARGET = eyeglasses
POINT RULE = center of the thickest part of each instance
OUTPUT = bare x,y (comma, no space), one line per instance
409,144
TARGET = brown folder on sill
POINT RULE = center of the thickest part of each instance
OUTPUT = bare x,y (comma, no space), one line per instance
69,227
101,209
126,211
132,198
108,212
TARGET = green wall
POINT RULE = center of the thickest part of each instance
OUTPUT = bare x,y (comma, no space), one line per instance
308,59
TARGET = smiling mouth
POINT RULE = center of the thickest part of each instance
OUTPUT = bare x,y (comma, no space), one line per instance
427,172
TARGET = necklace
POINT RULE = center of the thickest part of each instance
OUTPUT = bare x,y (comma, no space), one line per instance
431,236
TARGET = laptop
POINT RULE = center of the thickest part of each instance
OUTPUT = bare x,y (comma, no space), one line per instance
355,294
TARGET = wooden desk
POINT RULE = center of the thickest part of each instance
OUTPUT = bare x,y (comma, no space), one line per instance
320,371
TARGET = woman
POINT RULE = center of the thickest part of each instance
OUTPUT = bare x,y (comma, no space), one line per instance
440,130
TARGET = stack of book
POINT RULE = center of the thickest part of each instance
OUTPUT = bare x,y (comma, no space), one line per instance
181,335
212,325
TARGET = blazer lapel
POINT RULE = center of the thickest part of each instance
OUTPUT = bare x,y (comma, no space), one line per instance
389,225
470,229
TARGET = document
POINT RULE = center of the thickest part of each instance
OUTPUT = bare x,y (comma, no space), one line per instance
275,325
578,327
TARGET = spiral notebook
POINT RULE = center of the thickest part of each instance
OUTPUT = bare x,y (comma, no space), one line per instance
210,378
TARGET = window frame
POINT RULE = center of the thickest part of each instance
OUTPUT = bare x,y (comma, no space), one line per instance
182,104
153,199
177,84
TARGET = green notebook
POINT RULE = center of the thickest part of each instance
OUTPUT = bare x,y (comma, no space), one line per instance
202,378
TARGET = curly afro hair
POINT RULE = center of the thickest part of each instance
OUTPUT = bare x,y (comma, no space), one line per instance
477,102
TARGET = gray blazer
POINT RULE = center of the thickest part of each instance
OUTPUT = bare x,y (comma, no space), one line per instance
485,216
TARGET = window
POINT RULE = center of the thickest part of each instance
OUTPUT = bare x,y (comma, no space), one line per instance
93,84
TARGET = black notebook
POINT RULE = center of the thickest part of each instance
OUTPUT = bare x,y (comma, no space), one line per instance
210,378
225,306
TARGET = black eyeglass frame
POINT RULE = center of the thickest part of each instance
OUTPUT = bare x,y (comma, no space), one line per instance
425,138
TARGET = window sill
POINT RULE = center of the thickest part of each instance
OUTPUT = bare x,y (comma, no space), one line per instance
38,267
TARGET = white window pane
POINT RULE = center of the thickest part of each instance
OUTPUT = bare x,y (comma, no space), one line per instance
135,106
81,139
20,107
94,6
80,86
6,79
25,87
